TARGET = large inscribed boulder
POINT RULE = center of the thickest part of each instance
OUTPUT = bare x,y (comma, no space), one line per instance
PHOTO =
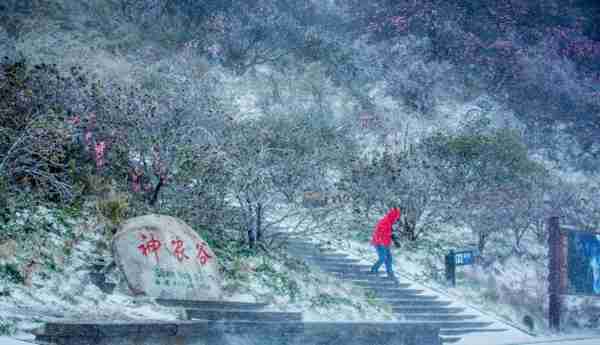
163,257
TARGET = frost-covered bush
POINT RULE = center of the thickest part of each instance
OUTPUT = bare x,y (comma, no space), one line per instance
7,327
43,143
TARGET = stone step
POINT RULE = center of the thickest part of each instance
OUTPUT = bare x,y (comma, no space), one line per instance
306,244
386,288
438,317
328,256
393,300
413,302
300,250
366,283
241,315
361,275
211,305
464,331
249,332
356,267
398,293
300,244
353,273
426,310
450,340
296,242
318,260
458,324
344,267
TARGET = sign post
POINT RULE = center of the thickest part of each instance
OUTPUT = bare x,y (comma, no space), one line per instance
573,265
554,273
451,269
460,258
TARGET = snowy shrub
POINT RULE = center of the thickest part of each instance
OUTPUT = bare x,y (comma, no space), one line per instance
7,327
581,311
113,208
491,291
39,128
326,300
281,282
11,273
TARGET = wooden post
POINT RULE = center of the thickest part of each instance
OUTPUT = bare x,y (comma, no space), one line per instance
554,273
451,268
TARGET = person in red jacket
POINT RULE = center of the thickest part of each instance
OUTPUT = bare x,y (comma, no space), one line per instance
382,238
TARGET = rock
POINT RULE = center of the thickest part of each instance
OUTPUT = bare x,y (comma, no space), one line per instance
8,250
162,257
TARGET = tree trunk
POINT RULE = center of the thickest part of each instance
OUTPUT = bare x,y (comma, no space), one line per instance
251,237
482,240
156,191
259,211
409,226
250,224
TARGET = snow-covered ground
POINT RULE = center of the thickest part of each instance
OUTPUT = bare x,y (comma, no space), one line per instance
501,293
61,289
59,286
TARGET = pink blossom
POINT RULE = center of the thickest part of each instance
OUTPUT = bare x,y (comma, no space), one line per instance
99,154
137,187
88,137
399,22
136,176
75,120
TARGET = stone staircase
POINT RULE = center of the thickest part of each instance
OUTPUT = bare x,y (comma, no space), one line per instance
234,323
229,323
424,319
407,303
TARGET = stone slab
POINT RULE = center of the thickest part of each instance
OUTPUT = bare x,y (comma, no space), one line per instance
425,310
218,305
12,341
162,257
458,324
416,302
450,340
385,288
439,317
240,333
462,331
230,315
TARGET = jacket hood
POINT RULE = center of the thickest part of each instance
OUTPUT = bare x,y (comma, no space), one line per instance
394,214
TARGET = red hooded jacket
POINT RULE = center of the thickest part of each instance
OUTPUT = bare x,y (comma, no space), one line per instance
382,235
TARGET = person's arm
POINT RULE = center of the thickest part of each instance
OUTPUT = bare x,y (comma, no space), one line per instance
395,240
395,237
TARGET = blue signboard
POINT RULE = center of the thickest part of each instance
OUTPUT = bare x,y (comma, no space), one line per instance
463,258
583,262
460,258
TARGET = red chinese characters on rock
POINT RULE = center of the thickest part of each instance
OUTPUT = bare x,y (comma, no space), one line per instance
179,250
150,246
203,255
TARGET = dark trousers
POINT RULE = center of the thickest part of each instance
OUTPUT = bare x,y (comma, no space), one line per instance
385,257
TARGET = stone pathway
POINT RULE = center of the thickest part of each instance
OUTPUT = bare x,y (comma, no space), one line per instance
408,303
228,323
